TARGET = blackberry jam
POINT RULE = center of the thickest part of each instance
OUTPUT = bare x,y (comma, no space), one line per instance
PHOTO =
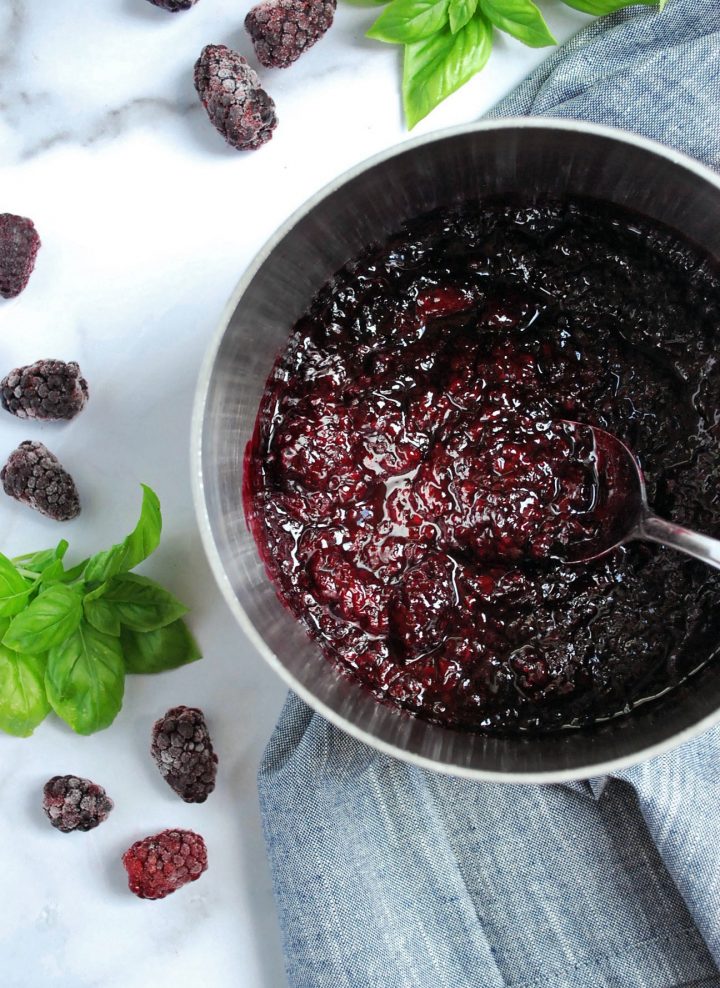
410,485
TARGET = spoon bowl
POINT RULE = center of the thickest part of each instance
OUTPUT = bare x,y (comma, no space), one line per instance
620,507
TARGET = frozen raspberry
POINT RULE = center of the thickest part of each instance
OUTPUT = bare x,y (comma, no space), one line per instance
162,864
174,5
19,244
238,107
182,748
47,389
281,30
34,476
71,803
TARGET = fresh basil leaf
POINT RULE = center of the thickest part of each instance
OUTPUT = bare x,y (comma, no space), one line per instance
47,621
404,21
436,67
75,572
95,592
460,12
37,562
23,702
520,18
140,543
85,679
142,604
14,589
155,651
102,616
54,573
600,7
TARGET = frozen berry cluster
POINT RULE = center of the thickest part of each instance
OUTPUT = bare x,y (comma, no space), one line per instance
183,752
48,390
159,865
72,803
19,244
35,477
281,30
162,863
229,88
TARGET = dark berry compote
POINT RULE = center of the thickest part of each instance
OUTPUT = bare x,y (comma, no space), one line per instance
410,485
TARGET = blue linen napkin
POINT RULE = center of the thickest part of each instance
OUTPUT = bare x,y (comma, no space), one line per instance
387,876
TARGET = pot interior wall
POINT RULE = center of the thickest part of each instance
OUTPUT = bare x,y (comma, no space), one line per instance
535,161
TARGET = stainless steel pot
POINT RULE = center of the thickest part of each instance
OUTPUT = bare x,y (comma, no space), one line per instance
531,157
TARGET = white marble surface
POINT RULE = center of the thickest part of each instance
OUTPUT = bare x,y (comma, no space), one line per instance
147,220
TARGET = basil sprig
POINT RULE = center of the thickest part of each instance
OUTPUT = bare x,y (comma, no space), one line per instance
69,636
449,41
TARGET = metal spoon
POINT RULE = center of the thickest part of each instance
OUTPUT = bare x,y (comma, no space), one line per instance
622,497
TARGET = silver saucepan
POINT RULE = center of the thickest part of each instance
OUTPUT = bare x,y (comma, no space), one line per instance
540,158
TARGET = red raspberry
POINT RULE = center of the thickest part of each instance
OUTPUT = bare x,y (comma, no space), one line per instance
19,244
162,864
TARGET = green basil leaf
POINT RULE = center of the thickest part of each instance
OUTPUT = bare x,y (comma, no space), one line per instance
47,621
54,573
460,12
140,543
404,21
600,7
37,562
14,589
436,67
155,651
75,572
520,18
23,702
102,616
95,592
142,604
85,679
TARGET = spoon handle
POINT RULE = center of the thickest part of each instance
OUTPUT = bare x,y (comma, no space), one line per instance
676,537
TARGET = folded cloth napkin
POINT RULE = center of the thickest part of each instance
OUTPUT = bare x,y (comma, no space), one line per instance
387,876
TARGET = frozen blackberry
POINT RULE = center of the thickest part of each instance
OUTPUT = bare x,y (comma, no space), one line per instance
34,476
182,748
159,865
71,803
238,107
174,5
19,244
281,30
47,389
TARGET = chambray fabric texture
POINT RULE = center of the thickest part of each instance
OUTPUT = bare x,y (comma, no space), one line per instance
387,876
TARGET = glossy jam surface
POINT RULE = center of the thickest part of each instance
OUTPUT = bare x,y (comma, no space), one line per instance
411,486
